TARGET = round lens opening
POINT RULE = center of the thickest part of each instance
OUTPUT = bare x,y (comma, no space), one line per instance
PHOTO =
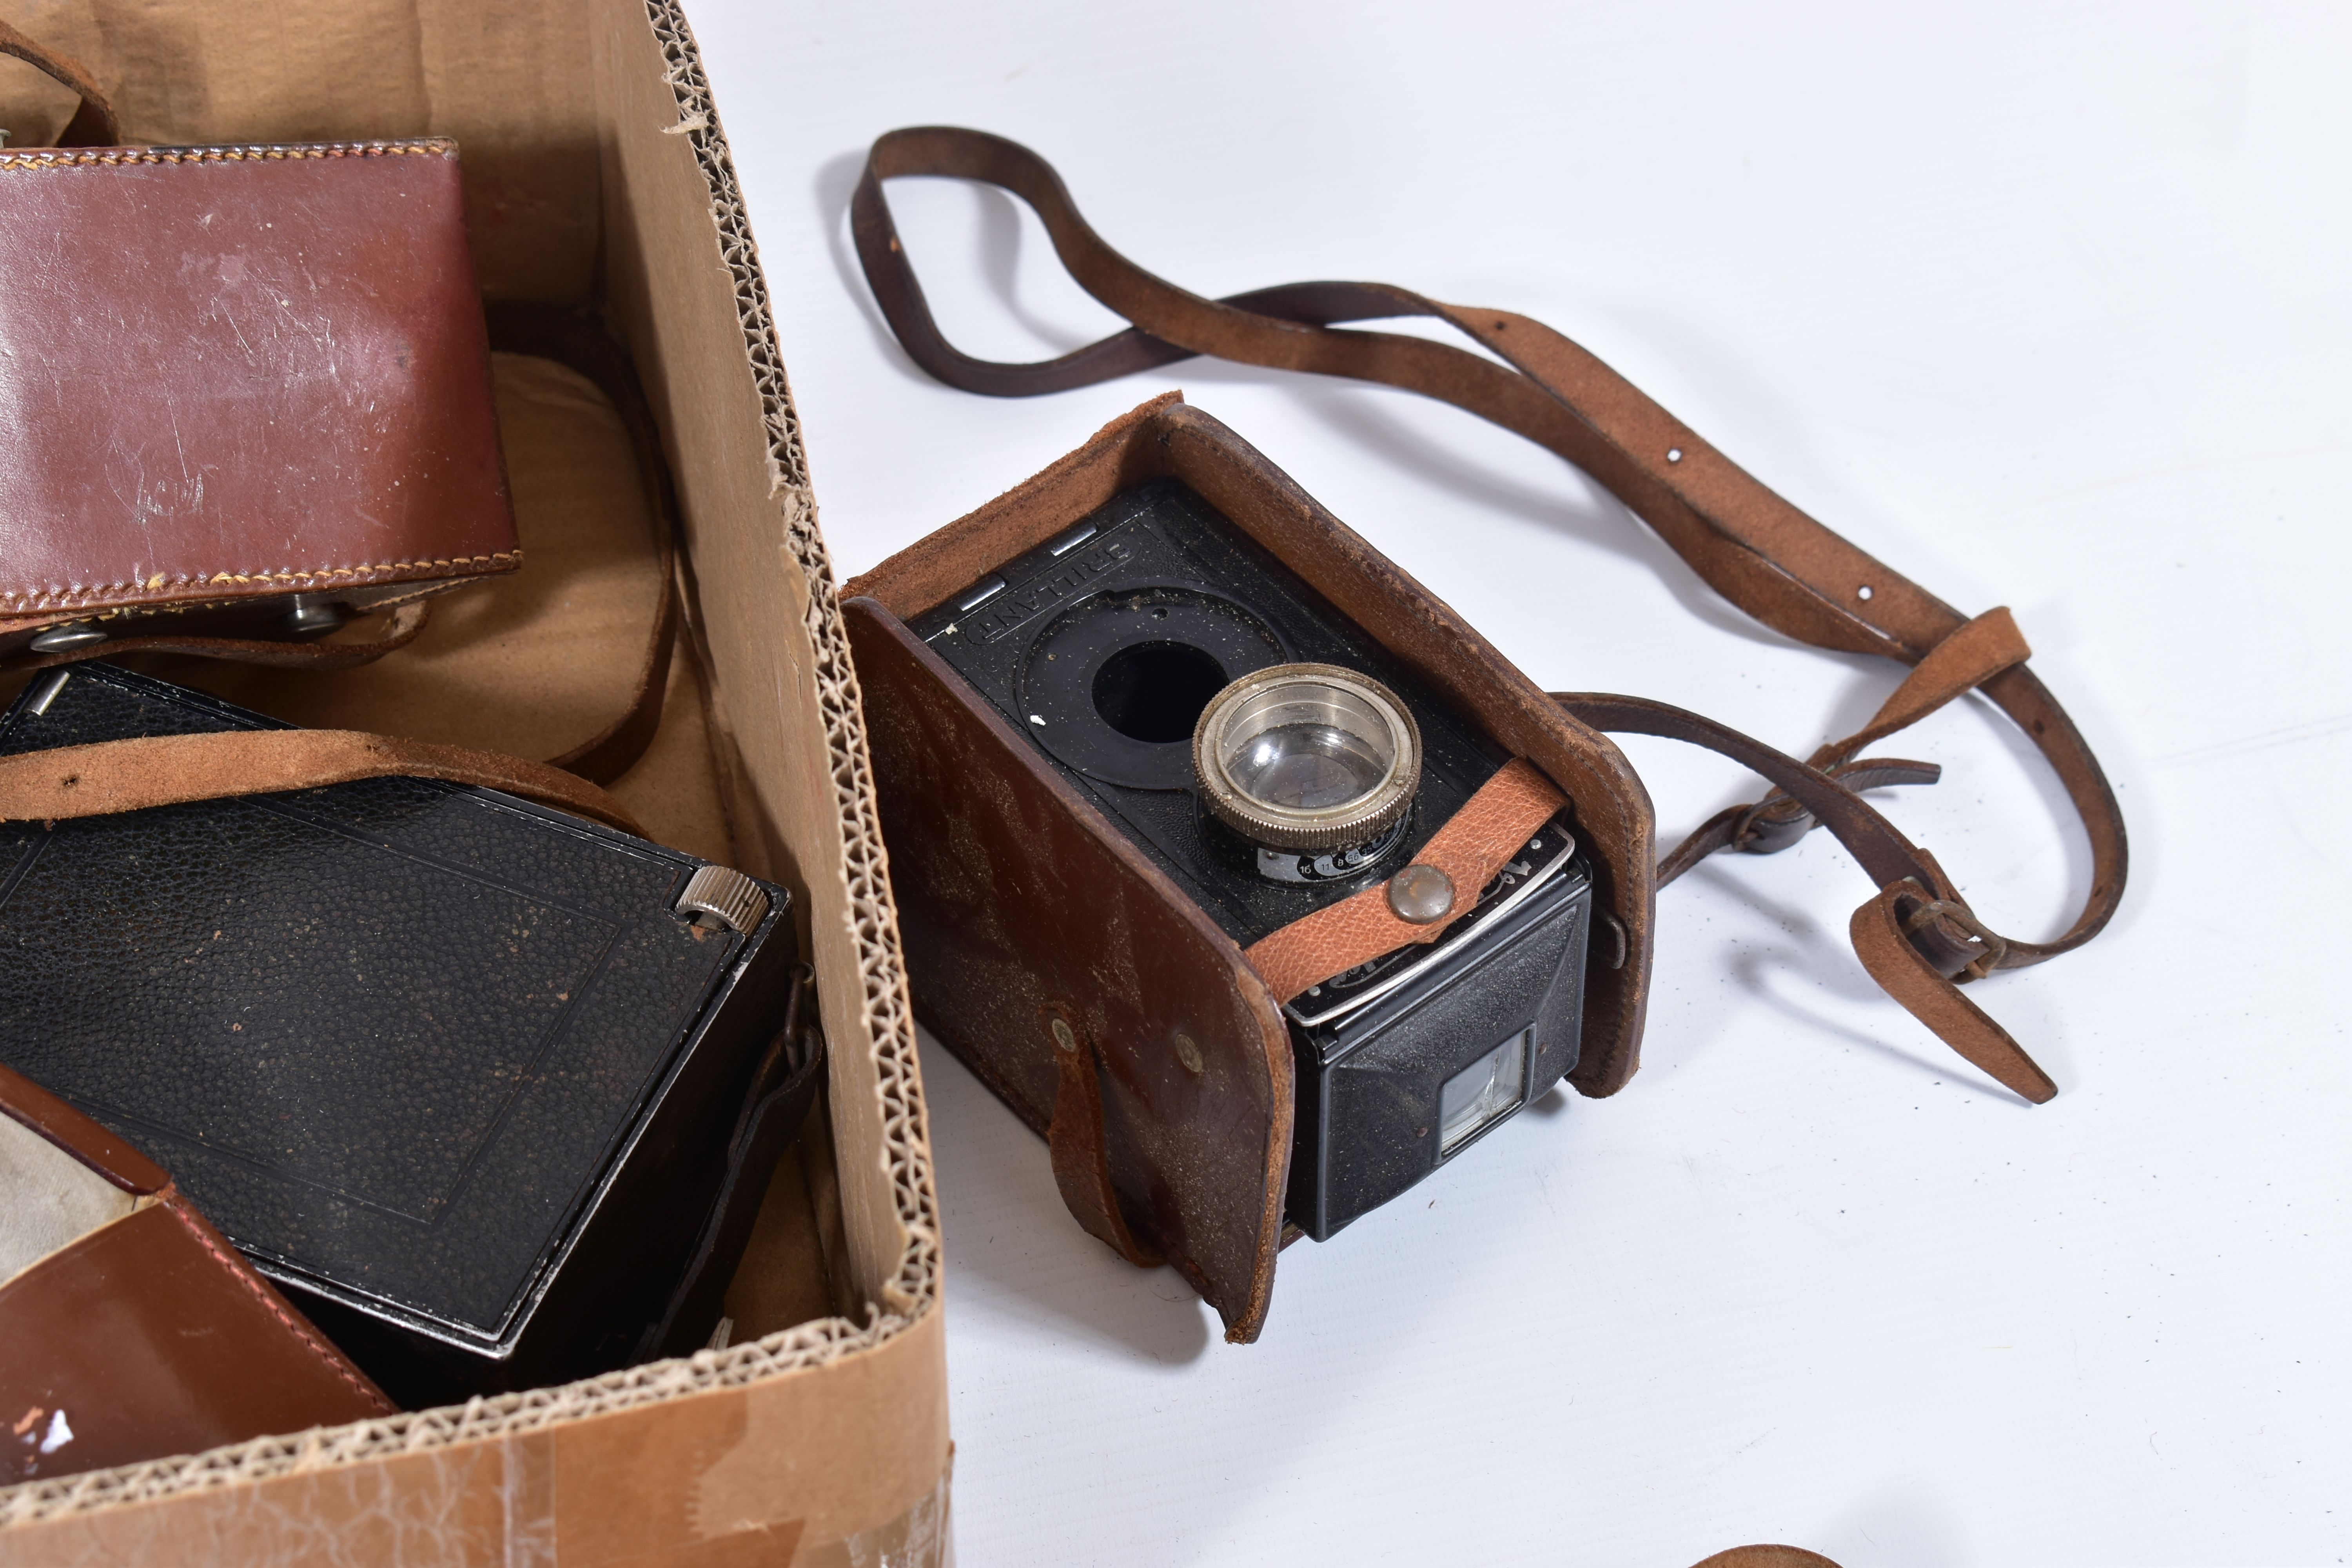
1154,691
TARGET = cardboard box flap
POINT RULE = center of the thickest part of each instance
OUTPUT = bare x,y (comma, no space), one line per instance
595,167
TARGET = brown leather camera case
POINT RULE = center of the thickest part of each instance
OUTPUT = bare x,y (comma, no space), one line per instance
233,375
129,1328
1023,909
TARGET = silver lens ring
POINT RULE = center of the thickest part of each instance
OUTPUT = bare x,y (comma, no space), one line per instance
1306,756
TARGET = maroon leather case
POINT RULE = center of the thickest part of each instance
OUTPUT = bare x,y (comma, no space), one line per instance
1021,906
233,375
141,1332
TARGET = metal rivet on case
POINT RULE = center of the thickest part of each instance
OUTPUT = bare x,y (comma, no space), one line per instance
72,634
1422,895
313,615
1188,1053
1065,1038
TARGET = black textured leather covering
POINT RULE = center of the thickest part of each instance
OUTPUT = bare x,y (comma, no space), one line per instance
416,1047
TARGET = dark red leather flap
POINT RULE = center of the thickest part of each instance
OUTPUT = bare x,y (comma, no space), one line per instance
1018,903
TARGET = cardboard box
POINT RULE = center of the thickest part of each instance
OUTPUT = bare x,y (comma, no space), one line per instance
595,170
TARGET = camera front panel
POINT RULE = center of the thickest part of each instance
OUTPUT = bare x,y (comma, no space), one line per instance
1450,1043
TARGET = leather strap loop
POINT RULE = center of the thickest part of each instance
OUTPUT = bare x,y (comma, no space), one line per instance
1886,856
1883,938
94,123
109,776
1980,650
1080,1143
1471,848
1913,937
1778,822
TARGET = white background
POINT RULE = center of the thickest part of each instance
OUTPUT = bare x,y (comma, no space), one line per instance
2044,305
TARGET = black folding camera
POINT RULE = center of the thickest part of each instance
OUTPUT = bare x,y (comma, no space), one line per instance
491,1092
1273,759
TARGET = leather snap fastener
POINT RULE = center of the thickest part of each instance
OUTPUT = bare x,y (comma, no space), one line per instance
1422,895
1065,1037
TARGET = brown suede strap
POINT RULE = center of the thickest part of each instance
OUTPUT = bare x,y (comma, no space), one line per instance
1934,938
1969,656
109,776
1475,844
1750,544
93,123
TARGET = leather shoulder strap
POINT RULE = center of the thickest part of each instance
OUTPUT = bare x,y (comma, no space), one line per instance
1753,546
93,123
105,777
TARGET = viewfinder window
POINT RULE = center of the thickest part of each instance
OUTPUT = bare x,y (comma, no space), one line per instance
1483,1093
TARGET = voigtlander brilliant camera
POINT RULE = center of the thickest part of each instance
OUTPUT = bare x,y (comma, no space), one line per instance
1236,865
1273,760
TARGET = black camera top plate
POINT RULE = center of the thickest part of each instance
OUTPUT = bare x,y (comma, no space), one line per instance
1104,645
1112,688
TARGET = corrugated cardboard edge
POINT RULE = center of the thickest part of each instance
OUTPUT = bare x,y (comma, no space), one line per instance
504,1426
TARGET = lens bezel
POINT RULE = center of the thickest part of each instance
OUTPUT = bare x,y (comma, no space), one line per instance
1348,701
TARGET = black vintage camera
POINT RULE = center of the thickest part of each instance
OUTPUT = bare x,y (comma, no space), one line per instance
491,1093
1273,759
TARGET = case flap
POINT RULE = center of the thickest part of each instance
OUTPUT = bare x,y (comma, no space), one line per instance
233,373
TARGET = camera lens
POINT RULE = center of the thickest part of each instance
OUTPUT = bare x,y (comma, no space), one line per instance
1306,757
1154,691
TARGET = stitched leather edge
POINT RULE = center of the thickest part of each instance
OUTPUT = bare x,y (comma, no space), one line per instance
276,1309
259,151
48,598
